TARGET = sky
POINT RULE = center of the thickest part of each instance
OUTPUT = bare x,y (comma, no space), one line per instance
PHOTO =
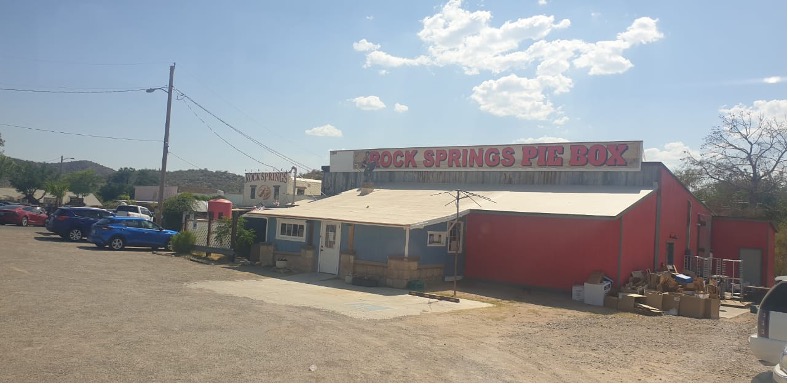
266,85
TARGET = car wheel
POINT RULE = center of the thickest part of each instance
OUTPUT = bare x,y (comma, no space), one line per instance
75,234
169,245
117,243
23,222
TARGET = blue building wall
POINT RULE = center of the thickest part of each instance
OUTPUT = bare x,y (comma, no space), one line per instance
289,245
374,243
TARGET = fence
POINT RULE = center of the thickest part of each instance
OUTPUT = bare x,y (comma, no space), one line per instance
205,229
727,272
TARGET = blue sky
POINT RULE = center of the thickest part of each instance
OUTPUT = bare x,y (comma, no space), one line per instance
305,77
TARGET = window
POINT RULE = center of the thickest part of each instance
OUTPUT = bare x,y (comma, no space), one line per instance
291,230
300,191
455,237
252,190
436,239
276,192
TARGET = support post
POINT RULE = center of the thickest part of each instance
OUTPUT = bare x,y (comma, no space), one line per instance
166,149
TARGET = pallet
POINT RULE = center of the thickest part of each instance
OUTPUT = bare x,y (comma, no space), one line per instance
432,296
647,310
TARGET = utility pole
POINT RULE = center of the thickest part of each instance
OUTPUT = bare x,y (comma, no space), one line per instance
165,151
61,164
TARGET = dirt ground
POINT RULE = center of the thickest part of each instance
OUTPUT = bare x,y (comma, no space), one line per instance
72,313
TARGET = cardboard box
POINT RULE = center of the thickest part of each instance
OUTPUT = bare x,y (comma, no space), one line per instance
671,303
692,306
626,302
595,278
611,302
712,308
654,299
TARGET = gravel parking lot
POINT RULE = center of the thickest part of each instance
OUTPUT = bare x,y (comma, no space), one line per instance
70,312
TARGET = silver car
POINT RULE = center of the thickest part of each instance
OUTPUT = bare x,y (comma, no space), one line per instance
768,343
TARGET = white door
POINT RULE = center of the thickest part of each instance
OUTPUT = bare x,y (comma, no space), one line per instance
328,260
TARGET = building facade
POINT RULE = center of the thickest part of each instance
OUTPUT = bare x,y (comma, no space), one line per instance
544,215
272,189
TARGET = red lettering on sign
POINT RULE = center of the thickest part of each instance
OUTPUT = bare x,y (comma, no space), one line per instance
398,155
374,157
577,155
542,156
440,155
529,153
553,158
597,155
476,157
429,158
385,159
454,158
492,157
507,155
410,159
617,154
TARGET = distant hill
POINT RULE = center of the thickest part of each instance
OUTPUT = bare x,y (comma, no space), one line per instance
195,178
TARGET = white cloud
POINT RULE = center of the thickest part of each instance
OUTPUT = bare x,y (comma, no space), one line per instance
771,109
370,17
327,130
365,46
543,139
467,39
383,72
400,107
561,120
670,155
368,103
514,96
774,80
542,2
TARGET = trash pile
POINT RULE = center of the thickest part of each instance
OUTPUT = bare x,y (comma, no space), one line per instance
654,294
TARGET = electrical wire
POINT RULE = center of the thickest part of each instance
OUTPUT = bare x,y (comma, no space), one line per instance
246,114
83,92
6,57
278,154
222,138
77,134
184,160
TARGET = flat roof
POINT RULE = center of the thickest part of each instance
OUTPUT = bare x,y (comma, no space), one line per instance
419,205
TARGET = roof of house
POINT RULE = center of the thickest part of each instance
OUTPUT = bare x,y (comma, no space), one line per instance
419,205
12,194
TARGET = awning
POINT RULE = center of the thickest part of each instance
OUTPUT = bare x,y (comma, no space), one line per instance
419,205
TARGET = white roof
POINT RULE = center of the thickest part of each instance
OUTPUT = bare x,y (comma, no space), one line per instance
418,205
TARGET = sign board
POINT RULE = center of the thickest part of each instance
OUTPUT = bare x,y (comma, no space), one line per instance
593,156
278,177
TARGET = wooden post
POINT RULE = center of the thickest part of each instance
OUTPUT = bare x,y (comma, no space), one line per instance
208,239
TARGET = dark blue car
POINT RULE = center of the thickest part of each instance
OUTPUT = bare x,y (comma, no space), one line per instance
120,231
73,223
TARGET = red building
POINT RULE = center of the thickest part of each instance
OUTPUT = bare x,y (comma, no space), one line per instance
565,210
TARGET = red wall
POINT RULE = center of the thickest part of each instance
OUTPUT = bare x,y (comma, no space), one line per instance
728,235
544,251
638,237
673,226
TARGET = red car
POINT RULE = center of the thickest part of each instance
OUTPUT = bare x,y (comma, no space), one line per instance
23,215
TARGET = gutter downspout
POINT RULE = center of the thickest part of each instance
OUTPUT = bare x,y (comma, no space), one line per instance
407,241
295,172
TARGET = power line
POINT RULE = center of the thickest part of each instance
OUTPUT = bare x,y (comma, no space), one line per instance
280,155
246,114
222,138
184,160
56,91
76,134
6,57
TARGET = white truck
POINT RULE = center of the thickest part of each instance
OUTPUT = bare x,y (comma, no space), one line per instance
134,211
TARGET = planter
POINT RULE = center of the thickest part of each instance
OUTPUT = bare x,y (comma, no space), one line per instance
281,263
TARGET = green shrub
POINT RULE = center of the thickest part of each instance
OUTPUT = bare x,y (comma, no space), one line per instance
183,242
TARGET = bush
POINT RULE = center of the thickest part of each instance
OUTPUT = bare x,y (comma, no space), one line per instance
183,242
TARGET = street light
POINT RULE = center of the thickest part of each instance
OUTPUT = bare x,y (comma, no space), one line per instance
61,163
165,150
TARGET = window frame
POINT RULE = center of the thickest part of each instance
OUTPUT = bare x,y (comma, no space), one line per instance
252,191
280,236
460,232
442,235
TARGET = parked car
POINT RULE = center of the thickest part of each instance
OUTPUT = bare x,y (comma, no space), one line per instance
768,343
23,215
134,211
118,232
73,223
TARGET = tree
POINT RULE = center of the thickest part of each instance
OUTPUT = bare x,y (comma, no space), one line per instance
58,189
315,174
175,207
29,178
147,177
6,166
83,183
746,153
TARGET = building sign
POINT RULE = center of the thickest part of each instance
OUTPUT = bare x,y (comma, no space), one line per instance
279,177
602,156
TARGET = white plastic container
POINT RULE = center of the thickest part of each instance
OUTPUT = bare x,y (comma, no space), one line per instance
594,294
577,293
